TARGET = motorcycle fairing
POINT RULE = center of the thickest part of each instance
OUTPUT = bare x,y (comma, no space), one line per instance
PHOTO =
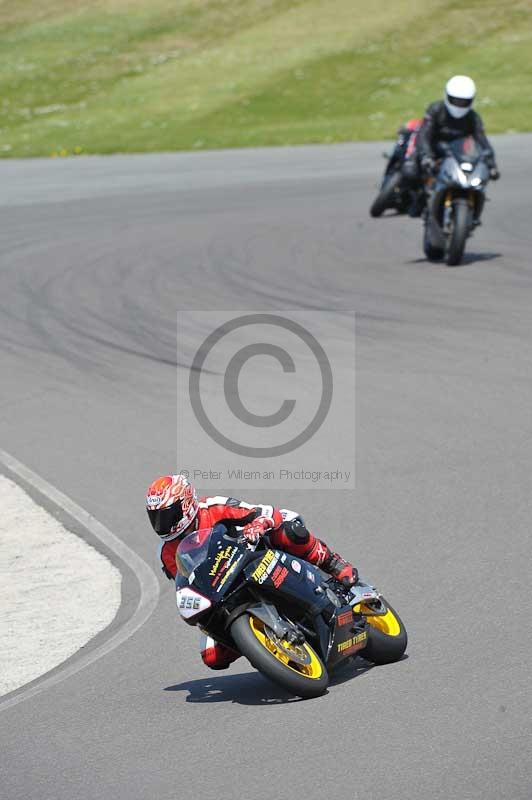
462,172
221,571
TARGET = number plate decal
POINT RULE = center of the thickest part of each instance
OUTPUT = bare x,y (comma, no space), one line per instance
190,603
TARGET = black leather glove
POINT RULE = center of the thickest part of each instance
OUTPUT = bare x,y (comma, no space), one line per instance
494,173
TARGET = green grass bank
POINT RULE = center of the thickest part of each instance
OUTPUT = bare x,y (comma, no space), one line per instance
142,75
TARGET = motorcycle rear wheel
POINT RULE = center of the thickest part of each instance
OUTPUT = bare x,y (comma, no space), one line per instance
387,637
387,195
297,668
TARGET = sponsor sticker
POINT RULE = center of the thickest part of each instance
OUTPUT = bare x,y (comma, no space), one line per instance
229,571
265,567
346,618
311,576
296,566
222,561
353,644
278,576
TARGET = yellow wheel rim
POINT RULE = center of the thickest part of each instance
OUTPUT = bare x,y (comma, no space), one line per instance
387,623
290,655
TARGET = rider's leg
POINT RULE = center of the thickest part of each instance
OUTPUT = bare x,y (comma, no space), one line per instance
294,537
216,655
412,177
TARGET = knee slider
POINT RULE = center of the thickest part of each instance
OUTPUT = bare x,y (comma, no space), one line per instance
296,531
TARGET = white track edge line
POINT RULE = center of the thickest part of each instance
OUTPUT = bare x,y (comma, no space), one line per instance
149,585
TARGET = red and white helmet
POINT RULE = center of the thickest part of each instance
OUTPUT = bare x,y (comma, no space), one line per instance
172,505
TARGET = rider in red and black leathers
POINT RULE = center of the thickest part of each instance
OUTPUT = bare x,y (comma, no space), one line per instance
289,533
285,529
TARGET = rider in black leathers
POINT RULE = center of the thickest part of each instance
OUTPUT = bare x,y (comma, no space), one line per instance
453,118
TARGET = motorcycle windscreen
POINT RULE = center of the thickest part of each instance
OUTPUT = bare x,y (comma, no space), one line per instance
192,551
465,149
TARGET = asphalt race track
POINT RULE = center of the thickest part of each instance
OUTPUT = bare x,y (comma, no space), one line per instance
96,255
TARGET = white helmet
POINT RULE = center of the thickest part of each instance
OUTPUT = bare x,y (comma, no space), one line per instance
459,95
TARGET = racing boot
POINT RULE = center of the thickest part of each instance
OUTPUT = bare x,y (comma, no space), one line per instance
216,655
294,537
339,568
417,204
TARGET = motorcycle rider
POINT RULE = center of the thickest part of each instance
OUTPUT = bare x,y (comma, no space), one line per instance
406,140
453,118
174,511
409,169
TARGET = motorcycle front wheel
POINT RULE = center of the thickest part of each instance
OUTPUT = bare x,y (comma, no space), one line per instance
387,196
387,637
295,667
460,227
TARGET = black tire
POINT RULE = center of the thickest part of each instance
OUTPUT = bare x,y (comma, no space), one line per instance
387,195
431,252
268,664
383,648
460,227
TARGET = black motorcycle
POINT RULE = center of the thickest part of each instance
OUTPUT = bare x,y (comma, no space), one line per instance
291,621
396,192
456,199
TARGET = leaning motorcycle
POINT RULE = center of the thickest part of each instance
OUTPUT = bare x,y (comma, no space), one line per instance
292,622
395,190
456,199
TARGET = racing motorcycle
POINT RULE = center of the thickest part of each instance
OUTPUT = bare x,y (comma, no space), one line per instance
291,621
395,192
456,200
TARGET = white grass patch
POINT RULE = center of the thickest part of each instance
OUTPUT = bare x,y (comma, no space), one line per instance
56,591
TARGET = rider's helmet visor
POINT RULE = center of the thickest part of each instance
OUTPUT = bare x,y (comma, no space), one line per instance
460,102
164,519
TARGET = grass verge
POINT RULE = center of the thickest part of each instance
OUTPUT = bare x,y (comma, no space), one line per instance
144,75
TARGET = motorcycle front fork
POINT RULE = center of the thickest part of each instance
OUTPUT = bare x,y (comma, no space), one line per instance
448,212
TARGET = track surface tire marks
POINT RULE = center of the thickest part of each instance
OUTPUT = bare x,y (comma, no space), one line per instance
94,264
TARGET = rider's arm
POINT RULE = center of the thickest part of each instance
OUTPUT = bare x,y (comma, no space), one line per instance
426,133
252,521
167,551
235,513
481,138
240,516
